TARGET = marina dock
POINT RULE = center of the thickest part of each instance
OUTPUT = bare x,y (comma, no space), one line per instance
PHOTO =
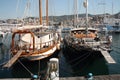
101,77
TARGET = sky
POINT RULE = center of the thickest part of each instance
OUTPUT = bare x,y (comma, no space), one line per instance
19,9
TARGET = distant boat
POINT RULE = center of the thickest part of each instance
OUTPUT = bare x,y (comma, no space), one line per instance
5,29
116,28
66,30
1,36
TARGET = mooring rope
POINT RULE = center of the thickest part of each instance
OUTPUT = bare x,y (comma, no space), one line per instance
76,59
82,59
25,67
71,72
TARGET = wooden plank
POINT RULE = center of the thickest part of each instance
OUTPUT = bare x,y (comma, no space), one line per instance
13,59
107,56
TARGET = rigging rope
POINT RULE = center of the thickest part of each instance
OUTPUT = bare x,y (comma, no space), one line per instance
72,72
17,7
76,59
82,59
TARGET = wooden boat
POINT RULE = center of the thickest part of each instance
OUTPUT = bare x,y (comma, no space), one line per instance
35,42
83,42
34,46
84,36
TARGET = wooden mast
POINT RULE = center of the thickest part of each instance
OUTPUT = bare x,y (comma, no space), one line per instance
40,11
86,17
47,13
75,13
86,6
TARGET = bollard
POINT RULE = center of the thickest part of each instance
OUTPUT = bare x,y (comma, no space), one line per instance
90,76
54,69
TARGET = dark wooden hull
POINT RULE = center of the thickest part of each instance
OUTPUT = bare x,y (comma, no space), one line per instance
80,56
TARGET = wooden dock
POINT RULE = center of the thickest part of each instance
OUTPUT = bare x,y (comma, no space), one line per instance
13,59
107,56
102,77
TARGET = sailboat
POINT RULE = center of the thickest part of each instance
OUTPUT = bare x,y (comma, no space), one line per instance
83,42
35,42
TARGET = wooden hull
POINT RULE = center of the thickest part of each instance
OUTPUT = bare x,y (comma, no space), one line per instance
38,54
42,55
80,55
35,50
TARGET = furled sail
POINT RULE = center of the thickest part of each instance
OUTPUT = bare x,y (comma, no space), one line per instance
85,3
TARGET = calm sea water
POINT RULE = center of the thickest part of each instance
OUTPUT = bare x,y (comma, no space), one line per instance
115,68
97,67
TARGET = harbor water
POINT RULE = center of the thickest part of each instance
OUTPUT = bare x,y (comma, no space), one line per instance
98,67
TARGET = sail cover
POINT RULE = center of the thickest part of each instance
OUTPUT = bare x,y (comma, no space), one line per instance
85,3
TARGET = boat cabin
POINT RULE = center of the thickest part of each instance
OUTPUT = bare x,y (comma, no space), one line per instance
81,33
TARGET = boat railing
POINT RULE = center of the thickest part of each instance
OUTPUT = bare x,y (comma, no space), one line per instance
29,46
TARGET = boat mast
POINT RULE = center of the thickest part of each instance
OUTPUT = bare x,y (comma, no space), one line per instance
40,11
112,11
75,13
47,13
86,17
86,6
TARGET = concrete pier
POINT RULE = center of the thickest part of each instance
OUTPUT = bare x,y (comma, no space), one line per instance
101,77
